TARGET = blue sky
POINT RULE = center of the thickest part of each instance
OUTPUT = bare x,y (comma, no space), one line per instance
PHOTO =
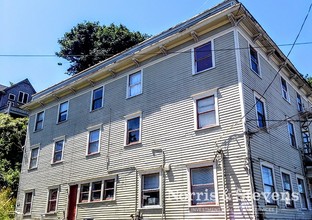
33,27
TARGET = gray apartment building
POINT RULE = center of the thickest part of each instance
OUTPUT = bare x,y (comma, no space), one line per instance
207,120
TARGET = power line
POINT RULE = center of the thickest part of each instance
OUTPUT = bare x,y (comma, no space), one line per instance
267,88
150,53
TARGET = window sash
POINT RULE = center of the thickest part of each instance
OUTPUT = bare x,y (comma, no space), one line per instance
206,117
292,136
97,102
299,103
63,110
133,130
150,194
94,141
58,152
34,157
27,202
268,184
135,84
284,89
288,189
52,202
88,193
260,113
203,58
254,60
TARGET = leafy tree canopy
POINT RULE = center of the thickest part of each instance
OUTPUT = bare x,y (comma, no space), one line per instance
7,204
12,139
89,43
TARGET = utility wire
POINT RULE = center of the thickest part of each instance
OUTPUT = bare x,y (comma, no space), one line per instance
267,88
150,53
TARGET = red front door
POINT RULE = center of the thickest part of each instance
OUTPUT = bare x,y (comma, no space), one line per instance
72,202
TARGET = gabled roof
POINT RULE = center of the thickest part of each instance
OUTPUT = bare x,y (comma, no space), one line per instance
2,87
26,81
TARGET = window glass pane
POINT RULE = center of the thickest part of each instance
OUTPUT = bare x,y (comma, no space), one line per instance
135,79
204,64
57,156
63,107
134,136
28,197
52,206
109,184
63,116
203,51
33,163
133,123
39,125
53,194
98,93
135,90
109,194
97,104
94,135
260,106
300,186
286,181
151,181
205,105
97,185
25,98
59,146
207,119
151,198
20,96
40,116
199,194
202,175
267,175
93,147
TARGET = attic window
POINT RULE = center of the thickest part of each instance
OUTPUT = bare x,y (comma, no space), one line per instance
23,97
11,97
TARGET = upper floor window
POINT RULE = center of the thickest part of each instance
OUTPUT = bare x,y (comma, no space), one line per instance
58,151
28,203
291,132
134,84
97,98
100,190
203,57
34,154
260,109
39,121
133,130
63,112
94,142
254,60
284,89
302,193
52,200
150,189
206,113
299,103
11,97
268,184
202,185
286,180
23,97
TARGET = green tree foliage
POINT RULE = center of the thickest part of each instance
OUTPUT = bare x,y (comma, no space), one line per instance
7,204
309,79
89,43
12,139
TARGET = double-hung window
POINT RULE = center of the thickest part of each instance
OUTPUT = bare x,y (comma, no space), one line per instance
150,189
206,112
28,203
299,103
268,184
94,141
254,61
97,98
34,154
58,151
23,97
133,128
260,110
302,193
100,190
291,132
39,121
52,200
286,180
63,112
284,89
134,84
203,57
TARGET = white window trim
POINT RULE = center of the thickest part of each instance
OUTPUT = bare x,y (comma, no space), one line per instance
90,181
212,54
267,164
91,103
129,117
262,99
90,129
146,172
36,121
298,176
199,164
58,112
13,98
128,80
212,92
288,97
57,199
258,59
31,149
32,201
291,185
61,138
24,93
293,124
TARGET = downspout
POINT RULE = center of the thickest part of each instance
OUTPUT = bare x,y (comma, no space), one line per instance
224,184
163,186
108,138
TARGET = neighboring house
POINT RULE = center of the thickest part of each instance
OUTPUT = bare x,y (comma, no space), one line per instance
175,128
14,96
